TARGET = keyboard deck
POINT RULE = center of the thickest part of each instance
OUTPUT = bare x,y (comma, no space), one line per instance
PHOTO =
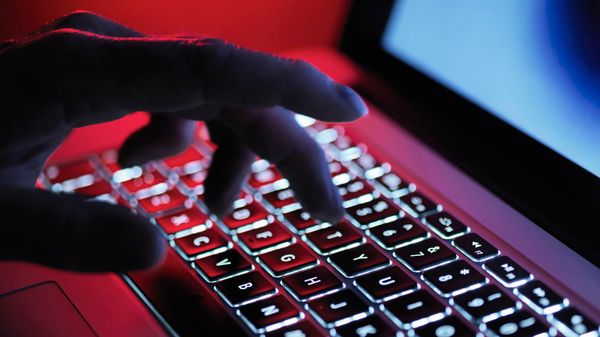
398,264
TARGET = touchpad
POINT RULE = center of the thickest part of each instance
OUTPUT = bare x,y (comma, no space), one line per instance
41,310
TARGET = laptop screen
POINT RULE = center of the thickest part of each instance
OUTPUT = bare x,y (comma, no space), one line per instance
507,56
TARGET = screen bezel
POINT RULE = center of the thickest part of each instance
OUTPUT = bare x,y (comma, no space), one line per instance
555,193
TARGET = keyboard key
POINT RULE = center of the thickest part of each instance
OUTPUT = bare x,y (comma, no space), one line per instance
416,204
190,160
300,220
194,182
97,188
415,309
288,259
393,186
336,168
386,283
334,238
58,173
169,201
312,282
541,298
264,176
262,238
397,233
246,216
374,212
359,260
446,327
223,265
425,254
373,326
281,198
485,304
507,271
371,167
454,278
445,225
339,307
245,288
210,240
302,329
571,322
475,247
520,323
182,220
354,189
263,314
149,182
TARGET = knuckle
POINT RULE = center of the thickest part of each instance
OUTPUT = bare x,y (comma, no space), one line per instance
77,19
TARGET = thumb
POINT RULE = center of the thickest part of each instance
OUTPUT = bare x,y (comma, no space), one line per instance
67,232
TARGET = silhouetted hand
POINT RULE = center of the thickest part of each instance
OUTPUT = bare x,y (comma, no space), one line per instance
84,69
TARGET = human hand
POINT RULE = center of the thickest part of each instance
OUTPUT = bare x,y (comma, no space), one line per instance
84,69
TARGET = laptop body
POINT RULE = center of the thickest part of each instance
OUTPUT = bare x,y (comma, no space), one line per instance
447,150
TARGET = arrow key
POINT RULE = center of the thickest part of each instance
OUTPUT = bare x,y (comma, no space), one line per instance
221,266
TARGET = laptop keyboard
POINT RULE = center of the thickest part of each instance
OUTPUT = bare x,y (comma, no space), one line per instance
397,264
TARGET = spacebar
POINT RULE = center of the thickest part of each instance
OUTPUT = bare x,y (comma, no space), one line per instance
186,304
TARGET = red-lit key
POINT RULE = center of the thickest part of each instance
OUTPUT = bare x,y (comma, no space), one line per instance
271,311
374,212
190,160
99,187
300,219
194,181
219,266
312,282
336,237
354,189
264,177
281,198
147,180
288,259
165,202
209,240
265,237
245,288
246,215
182,220
66,171
336,168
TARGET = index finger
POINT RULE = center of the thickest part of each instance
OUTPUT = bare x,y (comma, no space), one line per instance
121,75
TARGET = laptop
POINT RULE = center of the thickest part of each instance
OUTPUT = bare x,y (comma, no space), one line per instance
471,190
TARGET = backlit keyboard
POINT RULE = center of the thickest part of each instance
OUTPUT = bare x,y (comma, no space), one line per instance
398,264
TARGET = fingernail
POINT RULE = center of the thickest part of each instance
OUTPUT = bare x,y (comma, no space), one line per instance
352,99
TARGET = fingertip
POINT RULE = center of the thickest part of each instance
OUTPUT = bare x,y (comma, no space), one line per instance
141,244
356,107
